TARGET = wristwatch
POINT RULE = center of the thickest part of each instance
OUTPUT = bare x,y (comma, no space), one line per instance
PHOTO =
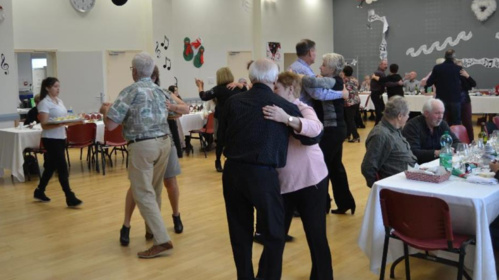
290,119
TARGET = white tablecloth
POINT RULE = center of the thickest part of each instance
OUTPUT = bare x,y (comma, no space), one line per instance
191,122
13,141
479,104
473,207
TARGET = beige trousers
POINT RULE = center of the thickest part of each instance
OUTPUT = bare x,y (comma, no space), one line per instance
148,161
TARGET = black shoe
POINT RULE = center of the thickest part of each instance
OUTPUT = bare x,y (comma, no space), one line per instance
218,166
258,238
289,238
343,211
73,201
177,224
40,196
296,213
125,235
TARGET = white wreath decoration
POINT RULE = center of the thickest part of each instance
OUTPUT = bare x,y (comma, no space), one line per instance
483,9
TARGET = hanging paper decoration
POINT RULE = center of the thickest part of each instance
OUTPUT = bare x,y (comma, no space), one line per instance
196,44
365,1
351,62
440,47
3,65
483,9
246,5
486,62
274,51
2,15
497,35
199,59
188,52
372,17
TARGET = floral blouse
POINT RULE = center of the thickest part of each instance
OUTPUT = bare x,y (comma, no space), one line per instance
352,86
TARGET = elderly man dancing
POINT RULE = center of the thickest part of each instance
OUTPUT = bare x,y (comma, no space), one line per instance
254,148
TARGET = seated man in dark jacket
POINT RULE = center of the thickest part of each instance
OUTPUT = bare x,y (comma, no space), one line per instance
33,113
423,132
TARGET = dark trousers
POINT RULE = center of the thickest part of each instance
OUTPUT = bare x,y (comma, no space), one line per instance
332,147
313,216
453,113
466,117
246,186
55,159
175,136
220,147
350,113
379,104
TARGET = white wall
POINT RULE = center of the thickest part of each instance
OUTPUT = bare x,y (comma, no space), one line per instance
222,24
289,21
54,24
8,83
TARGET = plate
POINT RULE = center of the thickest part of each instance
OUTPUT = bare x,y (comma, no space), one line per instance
64,121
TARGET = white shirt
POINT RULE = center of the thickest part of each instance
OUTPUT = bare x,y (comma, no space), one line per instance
54,110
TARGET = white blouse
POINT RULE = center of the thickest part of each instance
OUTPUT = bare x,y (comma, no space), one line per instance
54,110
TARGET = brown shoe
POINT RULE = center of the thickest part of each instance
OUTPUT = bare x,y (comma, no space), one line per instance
155,250
149,236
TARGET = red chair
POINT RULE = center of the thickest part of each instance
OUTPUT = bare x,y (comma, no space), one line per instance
81,136
423,223
209,129
461,133
112,139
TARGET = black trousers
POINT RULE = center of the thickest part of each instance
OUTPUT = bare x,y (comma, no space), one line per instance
379,104
453,113
313,216
175,136
332,147
350,113
246,186
220,147
55,159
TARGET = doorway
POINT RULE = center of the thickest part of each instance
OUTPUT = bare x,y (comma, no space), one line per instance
237,61
119,75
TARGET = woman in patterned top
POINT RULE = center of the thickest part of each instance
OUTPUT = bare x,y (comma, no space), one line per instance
351,104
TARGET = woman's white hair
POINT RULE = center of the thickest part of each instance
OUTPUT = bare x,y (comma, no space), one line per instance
428,105
439,61
144,64
264,71
396,105
334,61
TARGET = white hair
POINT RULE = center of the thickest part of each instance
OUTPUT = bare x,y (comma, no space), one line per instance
440,61
144,64
396,105
428,105
334,61
264,71
242,80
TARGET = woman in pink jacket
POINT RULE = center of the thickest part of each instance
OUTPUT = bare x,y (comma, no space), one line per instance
304,179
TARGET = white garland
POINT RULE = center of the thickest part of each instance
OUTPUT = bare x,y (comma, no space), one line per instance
488,6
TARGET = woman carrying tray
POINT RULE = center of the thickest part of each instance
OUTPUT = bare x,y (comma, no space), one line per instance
54,141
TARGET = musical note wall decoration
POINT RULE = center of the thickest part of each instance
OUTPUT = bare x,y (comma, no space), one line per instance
157,50
485,62
166,43
168,63
3,65
176,81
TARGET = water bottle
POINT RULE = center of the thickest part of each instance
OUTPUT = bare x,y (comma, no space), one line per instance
446,151
70,112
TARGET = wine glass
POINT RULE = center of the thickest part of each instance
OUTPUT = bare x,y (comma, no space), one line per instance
462,151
